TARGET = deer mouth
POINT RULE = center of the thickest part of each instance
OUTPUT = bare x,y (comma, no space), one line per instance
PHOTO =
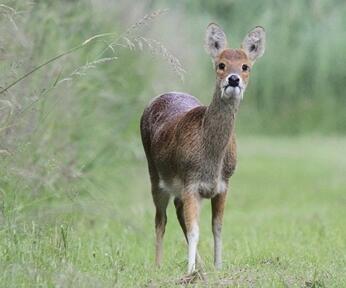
229,92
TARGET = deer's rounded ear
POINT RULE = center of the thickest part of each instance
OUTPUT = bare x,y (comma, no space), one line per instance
254,43
215,40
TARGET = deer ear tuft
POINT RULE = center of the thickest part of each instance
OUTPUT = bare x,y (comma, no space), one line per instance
254,43
215,40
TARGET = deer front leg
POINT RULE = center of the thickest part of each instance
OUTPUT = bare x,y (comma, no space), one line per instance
217,206
191,205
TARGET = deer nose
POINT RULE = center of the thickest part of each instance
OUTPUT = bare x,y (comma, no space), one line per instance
233,80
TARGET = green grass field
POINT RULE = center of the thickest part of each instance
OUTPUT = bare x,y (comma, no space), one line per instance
75,203
284,225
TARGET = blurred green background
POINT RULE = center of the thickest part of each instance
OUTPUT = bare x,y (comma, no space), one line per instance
73,178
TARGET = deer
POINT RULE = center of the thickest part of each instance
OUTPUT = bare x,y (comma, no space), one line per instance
191,148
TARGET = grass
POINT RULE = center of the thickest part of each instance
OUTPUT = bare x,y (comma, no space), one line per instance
75,206
284,225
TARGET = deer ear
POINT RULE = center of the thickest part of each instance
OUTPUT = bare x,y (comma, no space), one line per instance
254,43
215,40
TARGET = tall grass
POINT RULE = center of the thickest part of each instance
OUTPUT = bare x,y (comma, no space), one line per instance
297,87
79,115
46,116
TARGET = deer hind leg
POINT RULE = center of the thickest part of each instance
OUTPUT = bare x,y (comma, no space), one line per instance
218,205
161,200
179,207
178,203
191,206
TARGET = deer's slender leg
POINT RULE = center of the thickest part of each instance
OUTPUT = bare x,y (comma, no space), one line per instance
218,205
191,206
161,200
178,203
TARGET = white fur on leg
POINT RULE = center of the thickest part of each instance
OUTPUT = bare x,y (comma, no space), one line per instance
192,237
217,246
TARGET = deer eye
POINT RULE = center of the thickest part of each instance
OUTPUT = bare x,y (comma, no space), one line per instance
245,67
222,66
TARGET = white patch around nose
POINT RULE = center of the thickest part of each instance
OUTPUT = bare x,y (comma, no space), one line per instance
233,92
229,92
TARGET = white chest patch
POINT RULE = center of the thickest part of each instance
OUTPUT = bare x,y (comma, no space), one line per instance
173,187
210,189
221,186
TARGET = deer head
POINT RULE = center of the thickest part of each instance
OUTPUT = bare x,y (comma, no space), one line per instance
233,66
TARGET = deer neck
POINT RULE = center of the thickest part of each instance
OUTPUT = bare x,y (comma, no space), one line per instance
218,126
